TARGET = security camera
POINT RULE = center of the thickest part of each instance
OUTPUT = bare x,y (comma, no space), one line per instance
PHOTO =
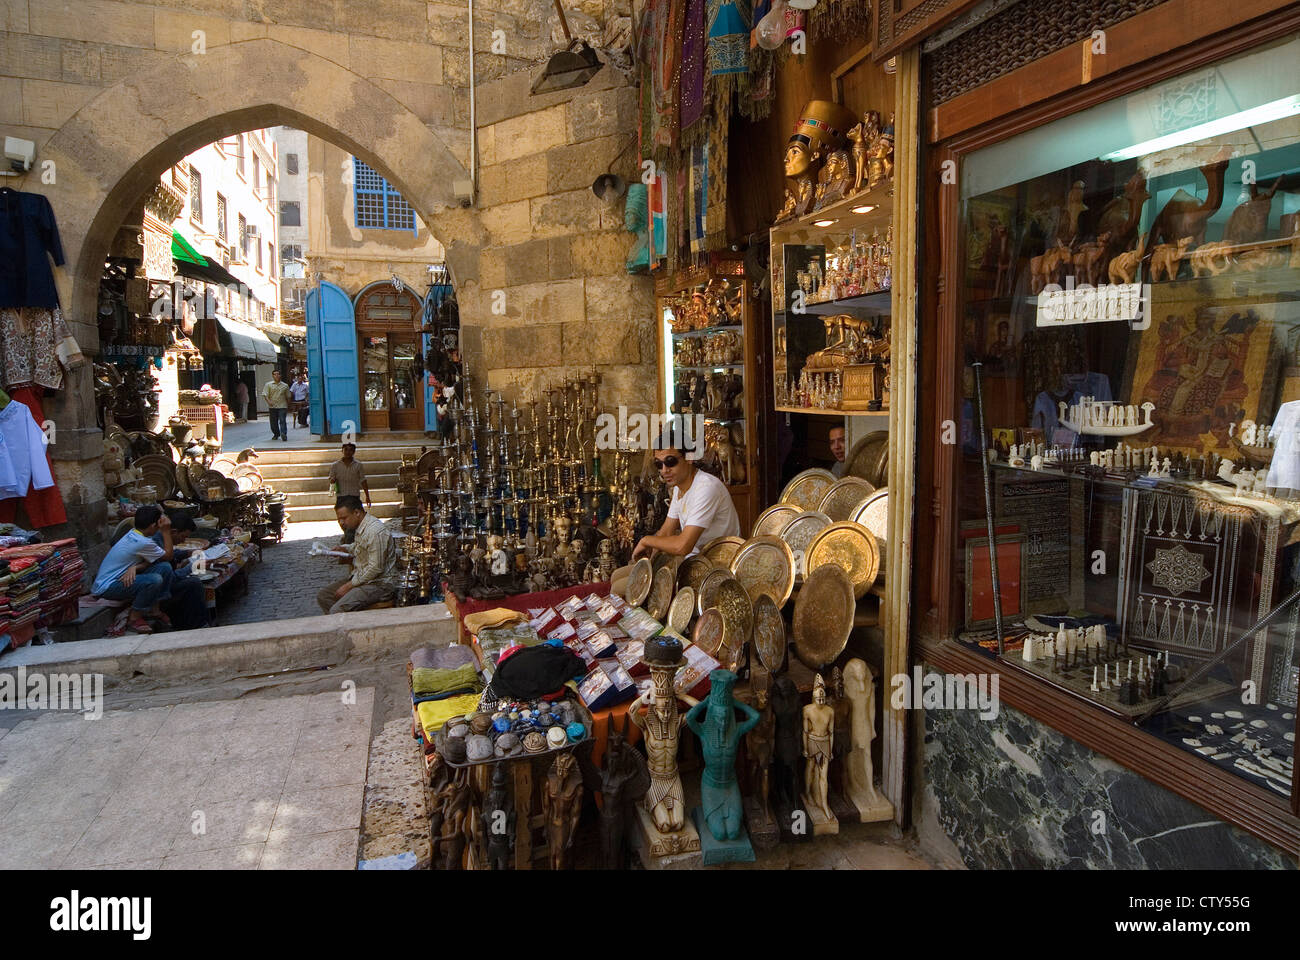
20,154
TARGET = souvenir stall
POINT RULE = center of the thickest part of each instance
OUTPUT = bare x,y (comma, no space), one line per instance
1114,349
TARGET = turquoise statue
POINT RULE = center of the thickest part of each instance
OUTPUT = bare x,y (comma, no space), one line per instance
636,214
713,720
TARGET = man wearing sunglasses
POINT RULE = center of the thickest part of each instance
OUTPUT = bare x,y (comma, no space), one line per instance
701,509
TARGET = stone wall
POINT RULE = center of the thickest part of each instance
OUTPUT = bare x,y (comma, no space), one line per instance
1012,793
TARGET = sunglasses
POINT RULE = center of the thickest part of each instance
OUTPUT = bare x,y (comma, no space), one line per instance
668,462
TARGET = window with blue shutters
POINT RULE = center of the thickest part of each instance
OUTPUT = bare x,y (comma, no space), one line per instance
378,204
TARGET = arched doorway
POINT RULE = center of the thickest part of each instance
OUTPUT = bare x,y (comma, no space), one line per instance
390,358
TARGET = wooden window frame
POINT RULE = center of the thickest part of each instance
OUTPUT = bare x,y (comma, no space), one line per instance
1267,815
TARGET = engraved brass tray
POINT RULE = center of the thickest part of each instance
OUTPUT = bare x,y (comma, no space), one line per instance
663,559
799,533
874,515
706,595
765,565
738,612
769,633
869,458
806,490
708,631
852,548
692,570
844,498
721,549
773,519
661,594
823,616
681,610
638,582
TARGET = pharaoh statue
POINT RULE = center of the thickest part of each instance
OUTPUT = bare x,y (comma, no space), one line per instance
714,722
818,734
823,128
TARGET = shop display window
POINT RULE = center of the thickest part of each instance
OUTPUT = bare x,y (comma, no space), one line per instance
1130,309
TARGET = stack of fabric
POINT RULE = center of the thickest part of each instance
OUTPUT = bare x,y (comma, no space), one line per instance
444,683
62,570
20,600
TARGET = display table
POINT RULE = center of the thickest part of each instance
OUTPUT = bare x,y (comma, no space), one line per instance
236,572
522,602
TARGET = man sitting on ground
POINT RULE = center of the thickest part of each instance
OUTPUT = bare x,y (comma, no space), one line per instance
140,570
374,562
187,604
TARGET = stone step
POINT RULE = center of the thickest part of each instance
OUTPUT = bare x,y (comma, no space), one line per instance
384,509
291,471
319,484
325,498
330,453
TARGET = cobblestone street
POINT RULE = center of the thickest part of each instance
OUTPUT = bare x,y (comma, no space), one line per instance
285,583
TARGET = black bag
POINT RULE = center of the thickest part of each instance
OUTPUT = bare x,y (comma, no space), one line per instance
536,671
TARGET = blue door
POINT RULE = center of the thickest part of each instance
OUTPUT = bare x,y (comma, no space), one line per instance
332,362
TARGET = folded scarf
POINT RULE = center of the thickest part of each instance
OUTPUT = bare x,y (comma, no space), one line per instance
496,617
434,713
419,698
442,658
426,680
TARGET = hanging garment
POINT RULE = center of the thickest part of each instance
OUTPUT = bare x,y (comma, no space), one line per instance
37,346
27,234
31,463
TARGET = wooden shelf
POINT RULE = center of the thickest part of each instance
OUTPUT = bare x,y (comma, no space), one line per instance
685,334
879,302
881,199
711,367
827,411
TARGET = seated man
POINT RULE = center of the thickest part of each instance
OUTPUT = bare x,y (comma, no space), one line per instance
701,509
374,562
187,604
138,569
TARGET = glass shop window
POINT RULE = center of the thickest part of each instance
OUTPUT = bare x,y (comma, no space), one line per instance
1131,329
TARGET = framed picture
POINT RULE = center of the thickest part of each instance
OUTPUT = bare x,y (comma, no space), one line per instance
979,578
1003,438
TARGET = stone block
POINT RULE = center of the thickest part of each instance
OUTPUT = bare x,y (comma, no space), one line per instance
463,259
293,13
529,303
602,253
528,134
564,213
527,262
619,297
431,102
576,166
603,113
508,223
82,62
492,267
395,19
173,31
37,58
331,46
98,20
395,60
603,342
487,66
632,386
118,63
49,104
537,345
11,100
13,16
516,180
247,31
562,261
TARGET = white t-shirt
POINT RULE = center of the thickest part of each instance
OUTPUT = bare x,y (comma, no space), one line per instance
707,504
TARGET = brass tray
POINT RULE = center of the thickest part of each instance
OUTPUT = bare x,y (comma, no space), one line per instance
771,520
708,631
800,532
823,616
806,490
874,515
769,633
721,549
638,582
661,593
706,594
852,548
765,565
869,458
737,609
692,570
844,497
663,559
681,610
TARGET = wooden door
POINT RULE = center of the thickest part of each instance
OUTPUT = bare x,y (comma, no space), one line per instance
405,396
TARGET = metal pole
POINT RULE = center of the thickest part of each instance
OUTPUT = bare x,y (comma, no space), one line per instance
988,505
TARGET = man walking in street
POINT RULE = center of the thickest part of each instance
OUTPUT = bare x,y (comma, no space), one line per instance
300,394
374,562
276,395
348,479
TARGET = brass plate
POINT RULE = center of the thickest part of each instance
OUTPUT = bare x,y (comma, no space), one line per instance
769,633
721,549
638,582
663,559
852,548
681,610
765,565
661,594
823,616
706,595
738,612
844,497
806,490
771,520
869,457
802,531
874,515
708,631
692,570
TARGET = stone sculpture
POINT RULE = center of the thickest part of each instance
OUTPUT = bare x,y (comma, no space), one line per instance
818,733
714,722
562,805
859,687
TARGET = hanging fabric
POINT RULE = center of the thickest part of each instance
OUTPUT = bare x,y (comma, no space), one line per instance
35,348
693,73
661,57
29,239
43,503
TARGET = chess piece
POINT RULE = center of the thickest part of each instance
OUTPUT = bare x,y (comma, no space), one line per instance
561,806
859,688
714,721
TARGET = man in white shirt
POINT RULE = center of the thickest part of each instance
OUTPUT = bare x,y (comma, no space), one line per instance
701,508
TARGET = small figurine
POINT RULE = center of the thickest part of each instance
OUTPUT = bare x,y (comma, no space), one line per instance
818,735
498,821
562,805
713,721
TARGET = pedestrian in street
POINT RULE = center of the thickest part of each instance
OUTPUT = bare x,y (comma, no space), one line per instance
139,569
374,562
300,395
241,399
348,479
276,395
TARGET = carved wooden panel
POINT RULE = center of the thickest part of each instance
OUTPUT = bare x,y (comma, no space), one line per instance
1019,35
900,23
